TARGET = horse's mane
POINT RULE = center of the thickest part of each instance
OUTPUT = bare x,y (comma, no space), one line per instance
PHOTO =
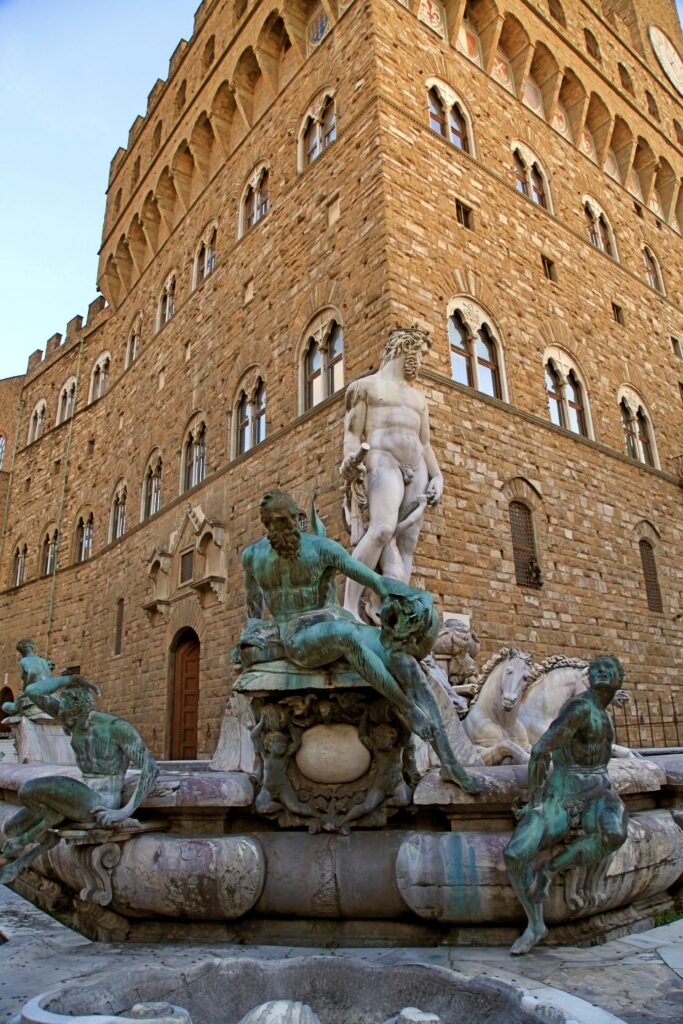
553,662
504,654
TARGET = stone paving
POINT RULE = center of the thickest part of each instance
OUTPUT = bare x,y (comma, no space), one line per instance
638,979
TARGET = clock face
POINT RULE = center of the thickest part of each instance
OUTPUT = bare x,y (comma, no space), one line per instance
668,56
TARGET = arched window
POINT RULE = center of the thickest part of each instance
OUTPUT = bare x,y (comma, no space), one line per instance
652,108
151,501
652,272
166,302
99,381
118,514
3,448
575,404
156,138
637,427
205,262
592,47
566,393
626,80
556,12
36,425
447,116
250,418
553,387
650,576
475,351
255,201
84,537
133,346
323,360
600,233
19,565
530,179
118,626
527,569
521,179
67,401
195,457
319,130
627,422
48,554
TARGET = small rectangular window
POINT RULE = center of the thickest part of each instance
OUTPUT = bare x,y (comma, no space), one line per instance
549,268
618,314
464,215
71,670
186,566
676,346
118,627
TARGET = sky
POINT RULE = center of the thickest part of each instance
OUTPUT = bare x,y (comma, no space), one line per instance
74,74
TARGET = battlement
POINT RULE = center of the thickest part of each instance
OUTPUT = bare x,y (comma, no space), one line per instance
59,343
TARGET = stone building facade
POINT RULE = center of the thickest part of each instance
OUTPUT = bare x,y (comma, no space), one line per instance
506,176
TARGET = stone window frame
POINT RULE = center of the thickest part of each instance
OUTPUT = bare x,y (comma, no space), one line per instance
474,317
593,210
519,489
84,535
451,99
49,550
646,534
134,343
36,423
153,471
653,271
19,564
66,404
319,330
253,186
167,300
194,443
117,517
99,377
315,118
3,450
640,415
532,162
206,247
564,364
247,414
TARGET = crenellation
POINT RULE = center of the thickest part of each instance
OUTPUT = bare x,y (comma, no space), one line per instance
176,58
53,345
135,129
95,310
155,95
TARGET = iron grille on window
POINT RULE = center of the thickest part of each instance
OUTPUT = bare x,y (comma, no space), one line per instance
186,566
527,572
654,594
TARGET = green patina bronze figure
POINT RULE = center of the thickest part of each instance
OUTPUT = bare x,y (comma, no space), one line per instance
32,668
573,818
293,575
104,746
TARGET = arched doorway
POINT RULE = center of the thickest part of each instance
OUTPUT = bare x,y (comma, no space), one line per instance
185,696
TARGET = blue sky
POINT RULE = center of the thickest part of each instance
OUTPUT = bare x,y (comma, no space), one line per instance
74,74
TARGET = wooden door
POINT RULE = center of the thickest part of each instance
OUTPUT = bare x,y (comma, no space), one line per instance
185,700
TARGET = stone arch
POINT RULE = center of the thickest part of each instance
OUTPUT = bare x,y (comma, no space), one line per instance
645,530
186,614
323,294
202,145
518,488
222,116
514,45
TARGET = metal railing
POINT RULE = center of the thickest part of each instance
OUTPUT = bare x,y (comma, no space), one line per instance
647,722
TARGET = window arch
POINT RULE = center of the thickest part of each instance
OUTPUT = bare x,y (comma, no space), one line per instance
592,47
205,257
118,512
626,80
166,301
85,529
36,426
448,115
255,200
566,393
133,344
636,422
531,179
250,416
475,349
151,488
652,108
318,129
653,274
556,12
321,359
647,542
599,229
3,450
48,552
99,378
67,401
193,467
19,564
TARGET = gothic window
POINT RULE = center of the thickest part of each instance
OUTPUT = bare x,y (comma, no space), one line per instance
575,404
530,179
118,626
251,418
475,355
644,436
19,565
626,80
67,401
133,346
629,430
166,302
650,576
152,489
319,131
652,108
556,12
37,422
553,387
118,514
205,262
600,232
48,554
592,47
565,393
521,175
652,272
99,382
637,427
156,138
527,571
3,448
84,538
447,117
323,360
195,457
255,201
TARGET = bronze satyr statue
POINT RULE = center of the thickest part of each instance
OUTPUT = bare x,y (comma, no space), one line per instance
573,818
104,746
293,575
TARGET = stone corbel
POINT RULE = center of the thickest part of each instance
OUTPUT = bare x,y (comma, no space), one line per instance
96,864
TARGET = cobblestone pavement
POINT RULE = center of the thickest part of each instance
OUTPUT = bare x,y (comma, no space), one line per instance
638,979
